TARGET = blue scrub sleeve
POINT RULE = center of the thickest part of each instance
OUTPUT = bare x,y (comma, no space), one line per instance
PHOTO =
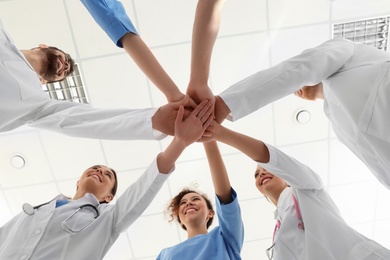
111,17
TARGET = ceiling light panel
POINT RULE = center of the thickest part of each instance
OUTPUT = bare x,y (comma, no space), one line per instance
70,89
374,32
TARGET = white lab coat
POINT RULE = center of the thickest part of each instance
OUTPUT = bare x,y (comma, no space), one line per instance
44,235
326,235
22,102
356,82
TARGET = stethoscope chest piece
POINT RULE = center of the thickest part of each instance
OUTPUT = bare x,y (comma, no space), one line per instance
28,209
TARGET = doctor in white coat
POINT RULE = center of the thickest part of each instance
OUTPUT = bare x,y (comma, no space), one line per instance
308,223
86,226
22,102
356,92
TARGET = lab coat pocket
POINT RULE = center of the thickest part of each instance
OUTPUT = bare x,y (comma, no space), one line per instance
23,78
78,220
376,114
369,250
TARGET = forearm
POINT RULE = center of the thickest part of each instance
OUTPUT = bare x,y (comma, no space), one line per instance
253,148
218,171
166,160
147,62
307,69
205,31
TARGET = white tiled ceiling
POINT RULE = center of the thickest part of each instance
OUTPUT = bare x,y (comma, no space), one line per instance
254,35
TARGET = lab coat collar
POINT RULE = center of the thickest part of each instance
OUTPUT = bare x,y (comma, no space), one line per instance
282,197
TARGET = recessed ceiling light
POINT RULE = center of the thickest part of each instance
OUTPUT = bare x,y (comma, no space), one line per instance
303,116
18,161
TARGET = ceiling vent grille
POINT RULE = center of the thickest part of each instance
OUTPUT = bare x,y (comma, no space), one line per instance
374,32
70,89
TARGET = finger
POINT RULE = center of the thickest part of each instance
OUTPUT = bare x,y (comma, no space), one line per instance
206,110
180,114
199,108
207,114
208,122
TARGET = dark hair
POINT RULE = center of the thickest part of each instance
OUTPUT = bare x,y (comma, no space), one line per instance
173,207
70,62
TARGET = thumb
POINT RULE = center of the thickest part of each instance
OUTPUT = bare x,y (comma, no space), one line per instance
180,114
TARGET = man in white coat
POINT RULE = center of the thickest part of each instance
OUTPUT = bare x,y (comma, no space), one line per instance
22,101
355,79
86,226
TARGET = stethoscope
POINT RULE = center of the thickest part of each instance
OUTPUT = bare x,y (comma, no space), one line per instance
269,251
30,210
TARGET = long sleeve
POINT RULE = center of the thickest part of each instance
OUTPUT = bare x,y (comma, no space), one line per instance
137,197
295,173
309,68
82,120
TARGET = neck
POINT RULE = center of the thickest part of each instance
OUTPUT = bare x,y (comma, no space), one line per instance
274,195
320,91
32,58
192,232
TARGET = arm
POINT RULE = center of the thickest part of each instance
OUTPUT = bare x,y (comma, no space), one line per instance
112,18
307,69
205,31
293,172
140,194
219,174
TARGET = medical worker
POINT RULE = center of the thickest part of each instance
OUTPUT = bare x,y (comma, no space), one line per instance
22,101
355,79
86,226
308,223
111,16
194,212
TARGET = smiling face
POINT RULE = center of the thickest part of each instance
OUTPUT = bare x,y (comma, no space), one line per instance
55,64
193,210
267,183
98,180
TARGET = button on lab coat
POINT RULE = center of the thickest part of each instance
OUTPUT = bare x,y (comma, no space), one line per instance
22,102
356,81
326,235
44,234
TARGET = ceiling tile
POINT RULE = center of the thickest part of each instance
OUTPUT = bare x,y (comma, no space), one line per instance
29,146
289,131
345,167
350,200
39,17
290,42
235,58
146,242
284,13
115,82
90,39
70,157
349,10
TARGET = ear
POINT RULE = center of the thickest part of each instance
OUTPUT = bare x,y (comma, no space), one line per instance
42,80
43,46
211,213
77,185
109,198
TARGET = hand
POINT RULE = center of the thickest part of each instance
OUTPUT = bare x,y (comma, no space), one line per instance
212,132
200,93
191,128
164,119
